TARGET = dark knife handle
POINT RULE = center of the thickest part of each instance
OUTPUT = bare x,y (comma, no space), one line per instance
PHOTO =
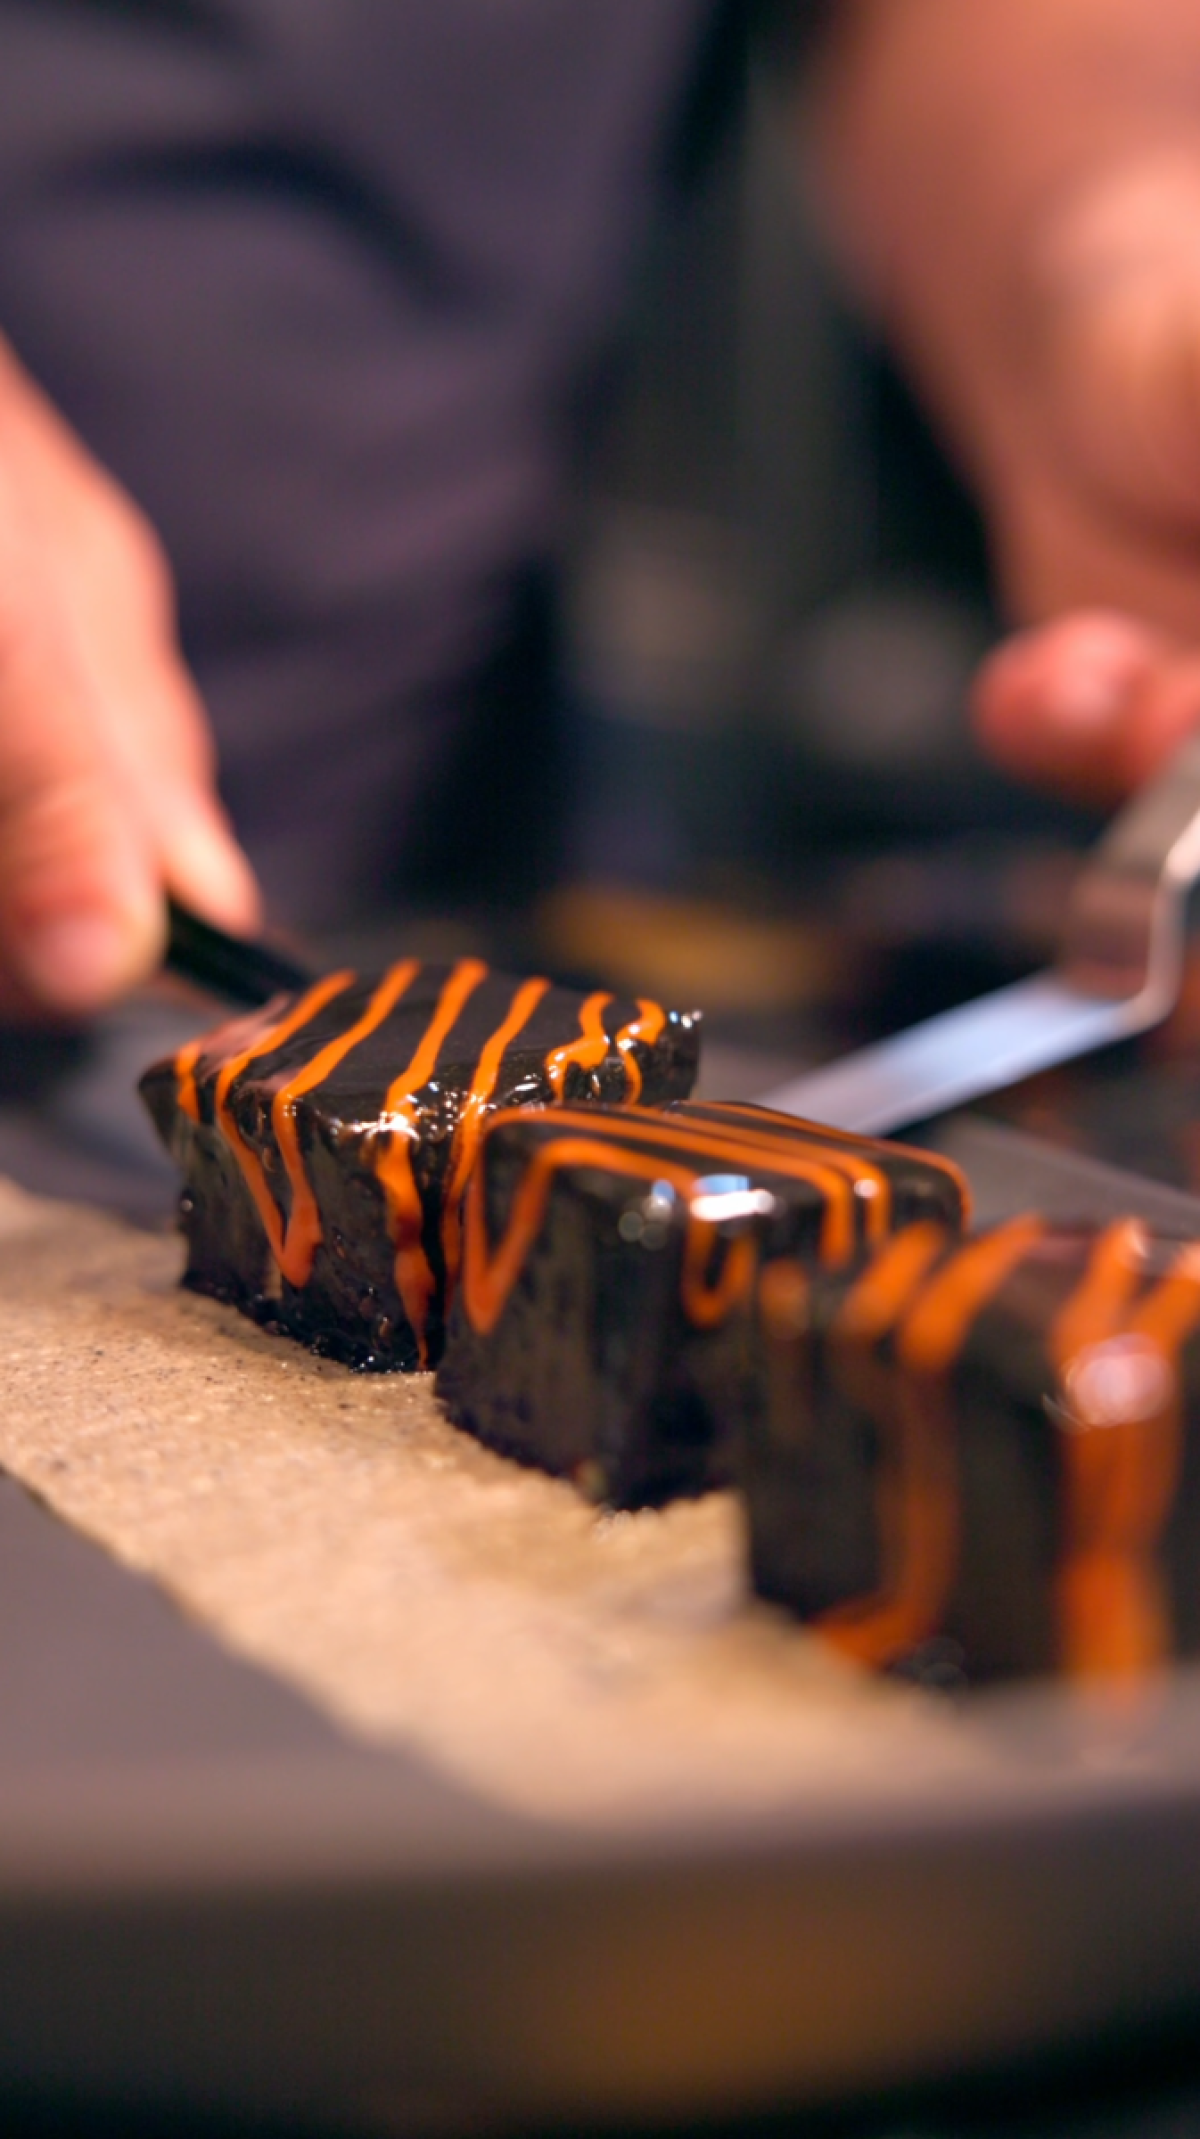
244,972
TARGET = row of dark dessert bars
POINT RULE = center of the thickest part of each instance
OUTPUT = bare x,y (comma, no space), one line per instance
976,1441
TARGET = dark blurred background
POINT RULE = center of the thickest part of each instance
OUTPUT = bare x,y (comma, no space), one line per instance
755,781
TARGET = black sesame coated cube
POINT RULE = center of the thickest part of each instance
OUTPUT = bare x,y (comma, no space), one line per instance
326,1141
982,1452
600,1329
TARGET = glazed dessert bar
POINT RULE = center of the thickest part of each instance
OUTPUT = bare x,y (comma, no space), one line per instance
326,1141
976,1452
600,1329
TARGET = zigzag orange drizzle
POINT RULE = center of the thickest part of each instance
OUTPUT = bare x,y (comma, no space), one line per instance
647,1027
415,1281
185,1079
470,1121
757,1133
588,1051
758,1120
309,1006
918,1495
294,1245
1120,1473
489,1275
304,1233
836,1174
235,1035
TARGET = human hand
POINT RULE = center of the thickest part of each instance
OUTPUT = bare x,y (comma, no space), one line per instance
1091,705
107,796
1018,186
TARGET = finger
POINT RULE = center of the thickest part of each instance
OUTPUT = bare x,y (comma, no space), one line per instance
152,729
1166,709
81,912
80,906
1065,705
106,579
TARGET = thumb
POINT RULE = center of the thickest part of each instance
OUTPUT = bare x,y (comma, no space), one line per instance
107,776
81,909
1093,704
81,914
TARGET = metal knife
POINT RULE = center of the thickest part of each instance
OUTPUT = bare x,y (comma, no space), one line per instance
1119,974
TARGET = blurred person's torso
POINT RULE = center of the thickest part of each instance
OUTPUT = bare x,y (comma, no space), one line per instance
322,281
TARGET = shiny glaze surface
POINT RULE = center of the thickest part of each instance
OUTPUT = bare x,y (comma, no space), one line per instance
600,1329
1087,1334
853,1184
396,1076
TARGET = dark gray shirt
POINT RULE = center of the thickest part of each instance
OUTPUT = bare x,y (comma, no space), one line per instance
321,280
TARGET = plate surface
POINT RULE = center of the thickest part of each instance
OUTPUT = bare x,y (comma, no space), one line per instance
212,1895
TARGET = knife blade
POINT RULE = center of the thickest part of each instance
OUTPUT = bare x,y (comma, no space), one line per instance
1119,974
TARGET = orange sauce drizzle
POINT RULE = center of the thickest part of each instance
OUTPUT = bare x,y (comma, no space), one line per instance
415,1281
936,1329
588,1051
185,1078
833,1173
768,1118
876,1300
707,1305
232,1037
784,1291
1120,1473
300,1242
647,1027
301,1013
851,1154
1104,1292
471,1120
918,1499
489,1274
295,1243
869,1181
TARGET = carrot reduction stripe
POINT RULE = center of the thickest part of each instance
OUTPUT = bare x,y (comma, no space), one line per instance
645,1028
294,1242
918,1491
471,1120
301,1013
587,1052
838,1176
594,1044
304,1232
764,1120
1117,1357
489,1275
185,1079
1115,1347
415,1281
216,1047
